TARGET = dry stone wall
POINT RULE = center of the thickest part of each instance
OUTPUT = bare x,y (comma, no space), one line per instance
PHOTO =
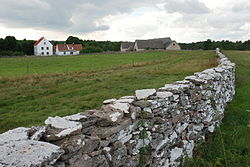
153,128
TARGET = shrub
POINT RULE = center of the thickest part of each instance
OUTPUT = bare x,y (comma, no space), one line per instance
11,53
91,49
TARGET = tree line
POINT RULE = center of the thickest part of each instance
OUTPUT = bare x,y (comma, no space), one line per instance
10,46
212,45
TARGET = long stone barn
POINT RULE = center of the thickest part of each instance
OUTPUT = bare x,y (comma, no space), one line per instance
150,44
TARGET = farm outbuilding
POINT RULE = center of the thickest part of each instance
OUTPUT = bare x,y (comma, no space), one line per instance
150,44
127,46
156,44
68,49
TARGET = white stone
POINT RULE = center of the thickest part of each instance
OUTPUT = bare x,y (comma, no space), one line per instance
126,138
109,101
79,142
166,163
164,95
14,135
28,153
67,126
125,101
38,134
75,117
211,128
209,71
114,117
68,131
198,127
142,143
189,146
173,136
161,144
176,97
128,97
218,69
209,118
175,153
124,107
144,93
181,128
133,115
149,110
190,77
182,82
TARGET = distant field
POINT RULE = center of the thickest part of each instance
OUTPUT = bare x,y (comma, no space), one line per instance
21,66
229,146
27,99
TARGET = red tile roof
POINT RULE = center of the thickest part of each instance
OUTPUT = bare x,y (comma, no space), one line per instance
37,42
69,47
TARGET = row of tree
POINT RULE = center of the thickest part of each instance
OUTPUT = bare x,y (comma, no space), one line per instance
91,46
212,45
9,46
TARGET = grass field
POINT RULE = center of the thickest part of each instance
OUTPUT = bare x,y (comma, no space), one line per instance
229,146
24,66
27,100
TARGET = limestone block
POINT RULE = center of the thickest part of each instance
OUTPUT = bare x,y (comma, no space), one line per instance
109,101
14,135
28,153
122,105
144,93
76,117
164,95
108,115
60,128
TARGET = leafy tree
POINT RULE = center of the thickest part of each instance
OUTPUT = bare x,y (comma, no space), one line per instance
10,43
74,40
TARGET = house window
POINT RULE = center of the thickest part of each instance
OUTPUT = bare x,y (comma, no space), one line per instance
44,43
47,53
71,53
64,53
42,53
42,48
173,44
47,48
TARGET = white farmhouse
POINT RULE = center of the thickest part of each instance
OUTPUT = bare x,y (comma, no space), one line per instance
68,49
43,47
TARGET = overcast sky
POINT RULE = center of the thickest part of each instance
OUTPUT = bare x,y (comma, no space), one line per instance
126,20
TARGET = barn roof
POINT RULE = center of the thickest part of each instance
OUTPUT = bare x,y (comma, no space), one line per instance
127,45
37,42
157,43
69,47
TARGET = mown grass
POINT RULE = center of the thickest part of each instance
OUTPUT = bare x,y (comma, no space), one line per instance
229,146
30,99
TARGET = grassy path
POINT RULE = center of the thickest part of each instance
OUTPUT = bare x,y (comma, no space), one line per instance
29,100
230,145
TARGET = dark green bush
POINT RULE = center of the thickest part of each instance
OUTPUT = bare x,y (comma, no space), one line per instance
11,53
91,49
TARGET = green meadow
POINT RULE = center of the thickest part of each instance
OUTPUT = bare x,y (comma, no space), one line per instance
24,66
33,88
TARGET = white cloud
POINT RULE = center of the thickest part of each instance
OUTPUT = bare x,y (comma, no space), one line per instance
186,6
182,20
